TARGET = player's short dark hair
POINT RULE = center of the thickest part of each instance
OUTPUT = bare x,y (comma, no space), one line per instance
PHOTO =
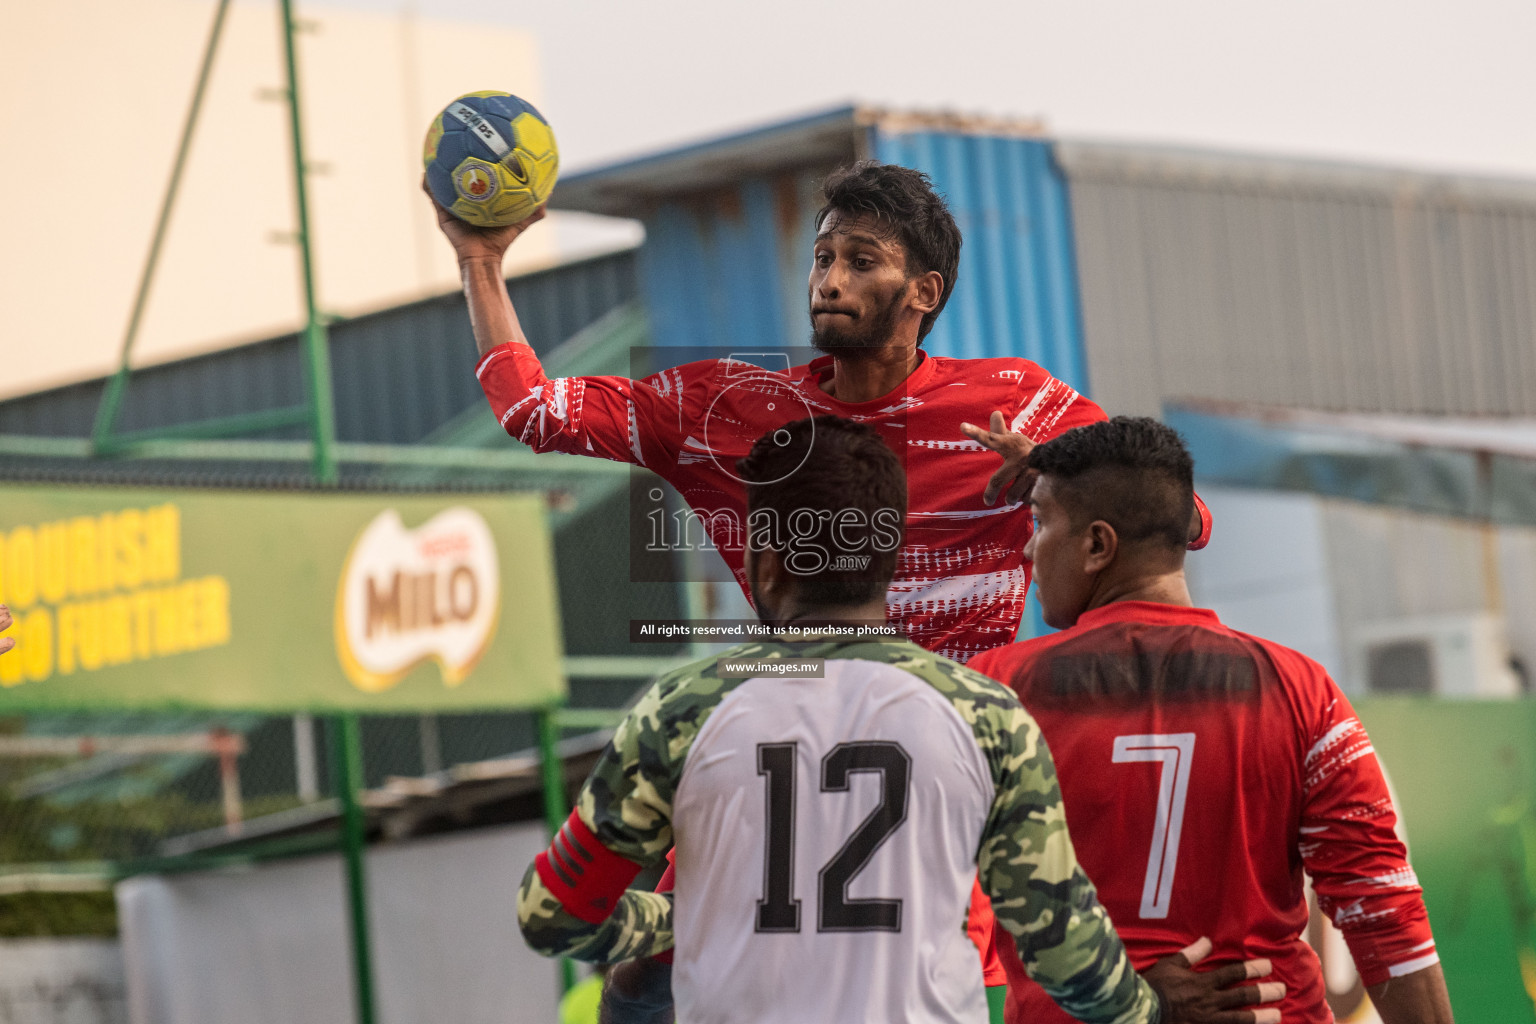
1132,472
904,201
835,487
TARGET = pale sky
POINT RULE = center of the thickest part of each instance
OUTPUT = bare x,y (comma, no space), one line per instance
1418,83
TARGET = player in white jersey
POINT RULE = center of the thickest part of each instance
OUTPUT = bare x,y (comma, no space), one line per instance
832,796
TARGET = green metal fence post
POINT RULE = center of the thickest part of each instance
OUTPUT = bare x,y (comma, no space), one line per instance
555,809
112,395
317,356
347,754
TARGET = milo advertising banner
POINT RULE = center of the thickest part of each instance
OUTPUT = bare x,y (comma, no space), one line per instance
276,601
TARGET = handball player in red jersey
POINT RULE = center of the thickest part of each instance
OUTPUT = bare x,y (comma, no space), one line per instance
883,265
1202,769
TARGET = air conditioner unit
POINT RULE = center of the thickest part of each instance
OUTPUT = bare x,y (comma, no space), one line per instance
1463,655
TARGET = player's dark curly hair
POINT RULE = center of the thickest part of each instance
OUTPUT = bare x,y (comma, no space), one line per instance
824,487
1132,472
904,201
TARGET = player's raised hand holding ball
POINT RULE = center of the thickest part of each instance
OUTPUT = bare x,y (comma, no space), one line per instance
491,162
490,159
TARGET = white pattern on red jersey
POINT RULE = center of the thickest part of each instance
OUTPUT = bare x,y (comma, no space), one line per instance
961,579
1277,775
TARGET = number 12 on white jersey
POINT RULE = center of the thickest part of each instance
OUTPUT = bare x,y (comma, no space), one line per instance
1175,751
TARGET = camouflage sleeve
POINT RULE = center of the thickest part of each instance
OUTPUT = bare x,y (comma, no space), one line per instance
640,925
1039,893
626,804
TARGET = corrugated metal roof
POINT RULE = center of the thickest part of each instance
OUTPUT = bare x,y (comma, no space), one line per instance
1016,294
725,270
1299,283
635,187
398,374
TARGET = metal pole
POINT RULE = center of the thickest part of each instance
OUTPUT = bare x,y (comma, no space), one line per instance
112,397
431,745
229,779
555,809
317,356
306,772
347,753
1488,536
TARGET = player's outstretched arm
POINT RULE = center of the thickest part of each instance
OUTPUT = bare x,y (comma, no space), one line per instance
575,898
480,252
6,642
1028,868
1359,867
1417,998
585,910
607,417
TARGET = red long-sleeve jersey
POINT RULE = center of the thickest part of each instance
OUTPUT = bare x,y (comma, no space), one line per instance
961,576
1202,771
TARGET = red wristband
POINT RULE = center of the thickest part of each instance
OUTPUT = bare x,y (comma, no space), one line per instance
585,876
667,884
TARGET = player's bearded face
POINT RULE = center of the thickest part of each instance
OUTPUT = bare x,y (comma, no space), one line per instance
847,334
859,285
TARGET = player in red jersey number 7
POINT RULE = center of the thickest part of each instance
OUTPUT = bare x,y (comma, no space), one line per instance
1202,769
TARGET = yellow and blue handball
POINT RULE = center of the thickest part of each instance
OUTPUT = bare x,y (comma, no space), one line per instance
491,159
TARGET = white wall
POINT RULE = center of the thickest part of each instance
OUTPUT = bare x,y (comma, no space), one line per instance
92,97
1265,571
269,945
61,981
1517,576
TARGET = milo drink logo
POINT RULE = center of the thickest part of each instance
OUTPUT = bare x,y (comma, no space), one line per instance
406,596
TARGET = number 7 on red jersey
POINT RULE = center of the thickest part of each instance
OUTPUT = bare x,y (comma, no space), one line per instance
1175,752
